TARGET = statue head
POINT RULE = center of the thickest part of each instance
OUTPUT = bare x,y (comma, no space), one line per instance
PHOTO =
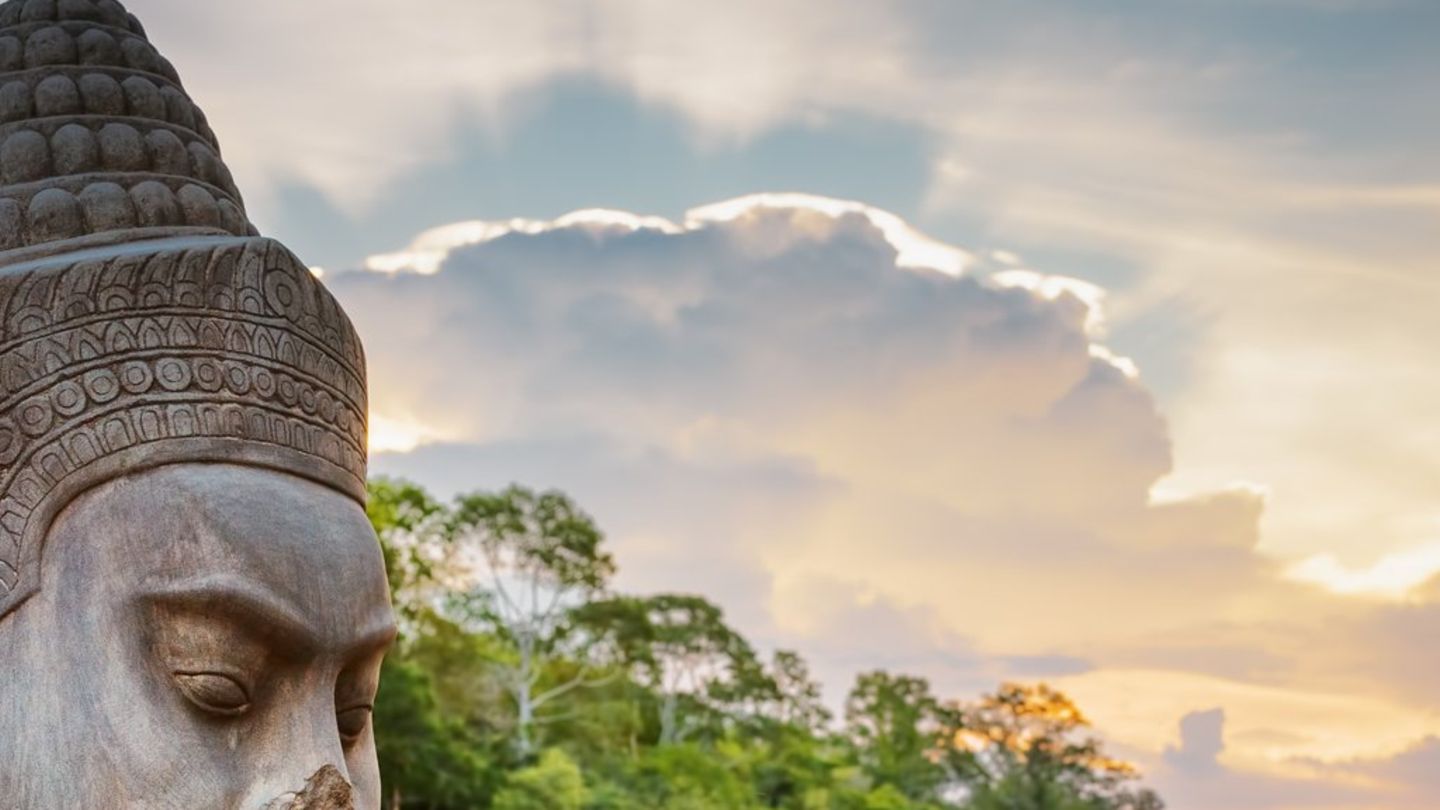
193,607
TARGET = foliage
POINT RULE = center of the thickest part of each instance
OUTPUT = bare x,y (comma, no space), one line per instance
681,648
798,702
423,752
897,725
410,525
1033,741
540,558
522,682
553,783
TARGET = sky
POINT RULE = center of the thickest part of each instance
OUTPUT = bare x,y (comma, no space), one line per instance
1091,342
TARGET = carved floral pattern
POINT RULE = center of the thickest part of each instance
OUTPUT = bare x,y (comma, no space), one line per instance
218,339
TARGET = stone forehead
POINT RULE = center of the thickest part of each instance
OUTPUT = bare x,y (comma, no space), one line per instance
143,321
179,519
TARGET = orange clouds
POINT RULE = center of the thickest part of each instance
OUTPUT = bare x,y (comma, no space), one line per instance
881,465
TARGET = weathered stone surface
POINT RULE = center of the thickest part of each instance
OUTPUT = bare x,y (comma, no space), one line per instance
326,790
200,627
190,593
85,64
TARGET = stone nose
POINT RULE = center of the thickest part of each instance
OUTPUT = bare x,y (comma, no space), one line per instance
327,789
299,763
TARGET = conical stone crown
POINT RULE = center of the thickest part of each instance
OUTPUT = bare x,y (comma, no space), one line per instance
143,322
99,142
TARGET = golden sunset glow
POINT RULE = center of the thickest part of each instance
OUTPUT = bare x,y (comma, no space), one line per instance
397,435
1033,342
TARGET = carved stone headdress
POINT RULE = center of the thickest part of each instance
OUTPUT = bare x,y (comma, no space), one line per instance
143,321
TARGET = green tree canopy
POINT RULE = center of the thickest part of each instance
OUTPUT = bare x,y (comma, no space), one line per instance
553,783
522,682
533,559
897,726
1033,741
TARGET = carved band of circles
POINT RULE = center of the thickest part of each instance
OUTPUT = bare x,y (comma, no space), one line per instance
173,375
136,377
69,399
37,416
306,360
102,386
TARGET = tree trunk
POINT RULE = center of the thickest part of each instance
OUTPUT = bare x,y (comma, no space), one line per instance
669,720
523,743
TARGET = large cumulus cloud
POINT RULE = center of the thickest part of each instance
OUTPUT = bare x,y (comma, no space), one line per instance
767,381
971,412
937,468
1253,237
783,331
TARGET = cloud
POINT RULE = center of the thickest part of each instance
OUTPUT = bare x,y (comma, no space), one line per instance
386,82
1394,575
648,499
1194,776
773,403
770,331
1242,154
877,463
1413,773
849,629
1202,741
1197,777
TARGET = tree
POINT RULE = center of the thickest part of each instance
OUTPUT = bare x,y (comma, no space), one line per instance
798,702
532,558
888,797
898,726
464,670
553,783
1030,746
412,527
425,756
1020,791
682,648
685,776
508,628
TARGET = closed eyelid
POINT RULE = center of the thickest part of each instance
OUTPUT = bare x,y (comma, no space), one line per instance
215,692
354,692
352,722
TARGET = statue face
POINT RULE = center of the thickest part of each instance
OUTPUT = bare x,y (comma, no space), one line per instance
207,636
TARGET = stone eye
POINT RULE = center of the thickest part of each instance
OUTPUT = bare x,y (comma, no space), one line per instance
352,722
214,693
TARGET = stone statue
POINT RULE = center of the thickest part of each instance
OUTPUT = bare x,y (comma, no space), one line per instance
193,606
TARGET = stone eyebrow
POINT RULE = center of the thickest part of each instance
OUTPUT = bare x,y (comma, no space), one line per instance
253,608
378,638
